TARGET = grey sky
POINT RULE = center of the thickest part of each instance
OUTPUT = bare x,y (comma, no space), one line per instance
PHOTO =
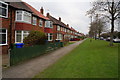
72,12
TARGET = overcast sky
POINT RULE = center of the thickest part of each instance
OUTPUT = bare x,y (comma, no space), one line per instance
72,12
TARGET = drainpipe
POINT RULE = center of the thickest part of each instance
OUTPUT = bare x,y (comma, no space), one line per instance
10,46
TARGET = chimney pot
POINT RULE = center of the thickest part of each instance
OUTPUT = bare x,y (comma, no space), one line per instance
68,25
59,18
48,15
42,10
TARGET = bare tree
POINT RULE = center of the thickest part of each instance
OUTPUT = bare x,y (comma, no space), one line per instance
97,27
108,9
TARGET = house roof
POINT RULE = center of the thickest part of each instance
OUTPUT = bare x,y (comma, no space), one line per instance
24,6
39,14
55,21
20,5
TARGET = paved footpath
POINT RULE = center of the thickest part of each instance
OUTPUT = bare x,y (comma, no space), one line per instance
32,67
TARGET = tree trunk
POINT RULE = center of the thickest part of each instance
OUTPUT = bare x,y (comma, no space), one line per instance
112,31
112,24
99,34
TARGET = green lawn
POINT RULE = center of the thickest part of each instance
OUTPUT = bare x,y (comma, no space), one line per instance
94,59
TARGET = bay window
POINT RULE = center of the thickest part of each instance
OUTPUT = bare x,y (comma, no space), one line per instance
23,16
3,9
58,28
19,15
50,36
20,35
3,36
49,24
40,23
59,36
34,21
65,30
27,17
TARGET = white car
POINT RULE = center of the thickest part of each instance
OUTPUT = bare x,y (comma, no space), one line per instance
108,39
116,40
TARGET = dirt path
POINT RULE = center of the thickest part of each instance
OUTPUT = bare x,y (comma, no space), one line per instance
32,67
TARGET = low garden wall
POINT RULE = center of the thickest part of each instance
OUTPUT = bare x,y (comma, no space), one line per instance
18,55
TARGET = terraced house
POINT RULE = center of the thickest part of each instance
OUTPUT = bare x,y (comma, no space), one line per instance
17,19
61,31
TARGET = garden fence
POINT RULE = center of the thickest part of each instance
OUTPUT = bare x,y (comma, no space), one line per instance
18,55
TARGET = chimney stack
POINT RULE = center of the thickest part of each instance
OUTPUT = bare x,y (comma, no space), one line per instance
60,19
48,15
42,10
67,25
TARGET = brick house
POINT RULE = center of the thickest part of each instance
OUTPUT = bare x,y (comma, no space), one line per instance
17,19
60,30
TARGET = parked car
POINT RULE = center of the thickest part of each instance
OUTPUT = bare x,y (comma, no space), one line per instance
104,39
108,39
116,40
101,38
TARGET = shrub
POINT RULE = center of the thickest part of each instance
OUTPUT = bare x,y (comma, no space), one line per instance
35,38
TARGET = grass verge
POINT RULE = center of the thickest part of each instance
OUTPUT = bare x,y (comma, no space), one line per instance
94,59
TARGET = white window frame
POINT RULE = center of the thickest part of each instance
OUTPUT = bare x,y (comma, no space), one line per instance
17,16
22,33
59,36
34,18
48,24
58,28
6,36
5,8
65,30
40,21
28,15
48,34
22,18
51,24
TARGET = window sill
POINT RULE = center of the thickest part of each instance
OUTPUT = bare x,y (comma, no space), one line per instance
50,40
22,22
34,24
49,27
58,39
40,26
3,44
3,17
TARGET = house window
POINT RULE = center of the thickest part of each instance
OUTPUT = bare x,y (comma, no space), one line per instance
20,35
3,9
50,36
58,28
3,36
19,15
27,17
59,36
23,16
49,24
65,30
34,21
40,22
61,28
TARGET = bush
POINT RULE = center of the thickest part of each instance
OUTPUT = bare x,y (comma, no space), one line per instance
35,38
